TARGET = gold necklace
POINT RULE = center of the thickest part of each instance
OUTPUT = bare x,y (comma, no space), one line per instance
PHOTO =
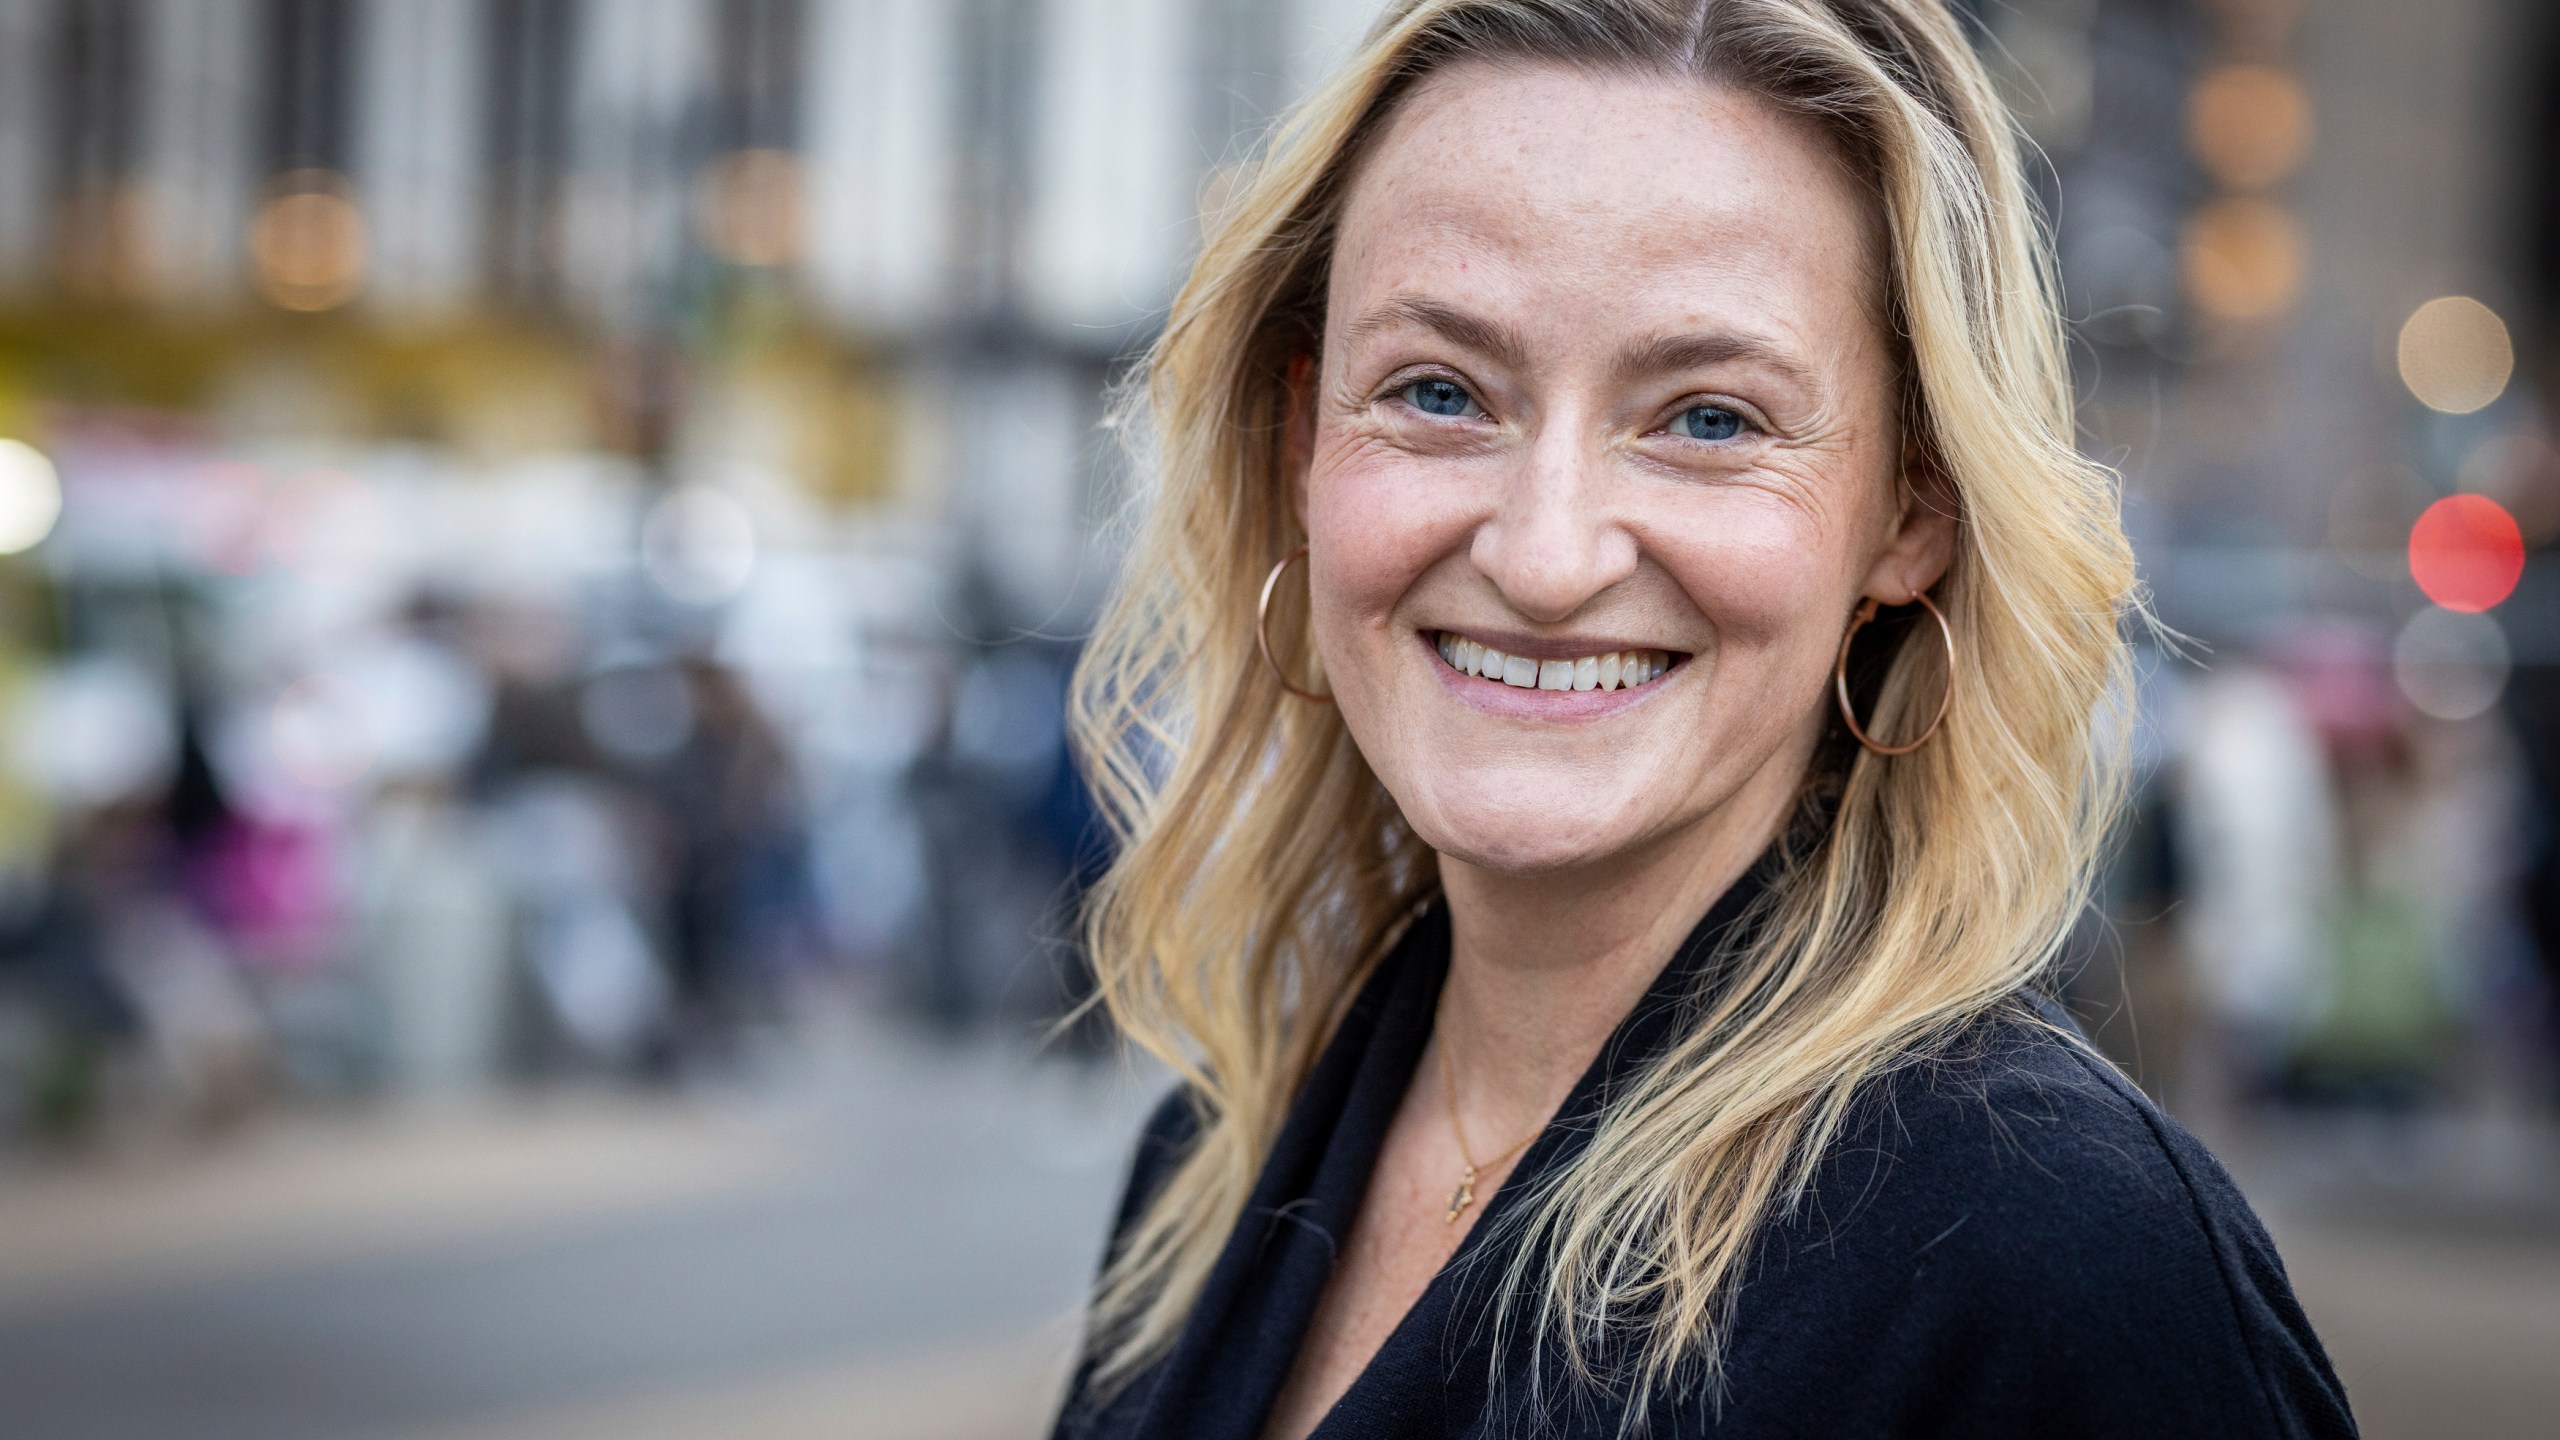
1465,1194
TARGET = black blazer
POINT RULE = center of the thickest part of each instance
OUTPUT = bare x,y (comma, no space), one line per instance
2008,1240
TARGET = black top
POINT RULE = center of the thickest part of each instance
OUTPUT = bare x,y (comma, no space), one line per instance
2008,1239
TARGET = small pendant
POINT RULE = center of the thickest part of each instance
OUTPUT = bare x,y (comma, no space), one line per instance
1461,1198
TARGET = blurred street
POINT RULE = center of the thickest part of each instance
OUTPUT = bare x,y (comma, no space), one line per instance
2439,1333
885,1245
889,1247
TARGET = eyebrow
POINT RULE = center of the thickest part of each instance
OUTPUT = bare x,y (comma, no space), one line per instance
1488,337
1687,351
1715,347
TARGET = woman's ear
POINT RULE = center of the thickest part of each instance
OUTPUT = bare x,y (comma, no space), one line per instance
1298,434
1922,543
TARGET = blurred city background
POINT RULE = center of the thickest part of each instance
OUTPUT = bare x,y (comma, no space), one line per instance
543,539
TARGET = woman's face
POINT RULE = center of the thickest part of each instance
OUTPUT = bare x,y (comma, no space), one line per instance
1604,389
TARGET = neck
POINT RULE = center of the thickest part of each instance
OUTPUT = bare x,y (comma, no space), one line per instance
1543,967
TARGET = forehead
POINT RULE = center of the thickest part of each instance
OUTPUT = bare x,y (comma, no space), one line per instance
1614,195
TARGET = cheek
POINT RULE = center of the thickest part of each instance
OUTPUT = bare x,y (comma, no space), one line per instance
1764,573
1377,521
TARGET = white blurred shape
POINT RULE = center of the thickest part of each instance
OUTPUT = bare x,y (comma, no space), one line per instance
2455,354
539,526
881,158
599,973
30,496
199,141
1020,431
384,708
1112,176
698,545
637,712
317,733
568,860
643,68
2255,819
94,731
418,148
432,943
424,707
2451,665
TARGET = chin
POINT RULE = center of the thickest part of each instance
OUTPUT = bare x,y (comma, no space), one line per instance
1471,825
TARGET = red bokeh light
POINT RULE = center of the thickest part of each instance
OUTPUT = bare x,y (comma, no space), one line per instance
2466,552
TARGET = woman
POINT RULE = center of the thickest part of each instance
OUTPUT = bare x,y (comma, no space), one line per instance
1597,919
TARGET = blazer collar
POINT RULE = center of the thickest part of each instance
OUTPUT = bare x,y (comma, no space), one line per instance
1225,1371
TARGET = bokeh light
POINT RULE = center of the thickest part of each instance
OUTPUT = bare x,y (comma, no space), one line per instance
2451,664
317,735
2249,125
95,731
2466,552
30,496
2242,259
307,243
749,207
2455,355
698,545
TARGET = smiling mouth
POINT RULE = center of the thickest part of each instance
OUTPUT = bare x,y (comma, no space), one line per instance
1613,670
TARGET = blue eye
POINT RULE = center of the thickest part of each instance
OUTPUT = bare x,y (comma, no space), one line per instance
1707,422
1439,397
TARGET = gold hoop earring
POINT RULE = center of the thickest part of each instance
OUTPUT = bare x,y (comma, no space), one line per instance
1840,678
1262,630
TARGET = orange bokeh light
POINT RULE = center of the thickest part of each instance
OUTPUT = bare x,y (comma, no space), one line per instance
2242,258
2466,552
307,242
2250,125
750,207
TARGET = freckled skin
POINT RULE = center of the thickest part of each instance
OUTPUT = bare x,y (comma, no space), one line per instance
1593,220
1658,208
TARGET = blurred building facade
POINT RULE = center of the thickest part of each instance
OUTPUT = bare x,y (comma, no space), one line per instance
573,513
568,511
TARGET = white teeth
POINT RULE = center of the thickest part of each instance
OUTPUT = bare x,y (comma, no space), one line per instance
1616,670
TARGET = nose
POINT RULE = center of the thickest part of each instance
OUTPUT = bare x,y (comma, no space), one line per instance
1551,544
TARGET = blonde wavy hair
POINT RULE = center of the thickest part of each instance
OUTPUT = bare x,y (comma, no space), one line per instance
1263,870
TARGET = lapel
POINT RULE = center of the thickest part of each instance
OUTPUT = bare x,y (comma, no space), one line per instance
1433,1374
1224,1373
1436,1373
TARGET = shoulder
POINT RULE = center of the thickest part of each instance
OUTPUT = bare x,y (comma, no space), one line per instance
2015,1118
2010,1154
2010,1209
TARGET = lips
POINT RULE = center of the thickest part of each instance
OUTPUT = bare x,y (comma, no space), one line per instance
1608,670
